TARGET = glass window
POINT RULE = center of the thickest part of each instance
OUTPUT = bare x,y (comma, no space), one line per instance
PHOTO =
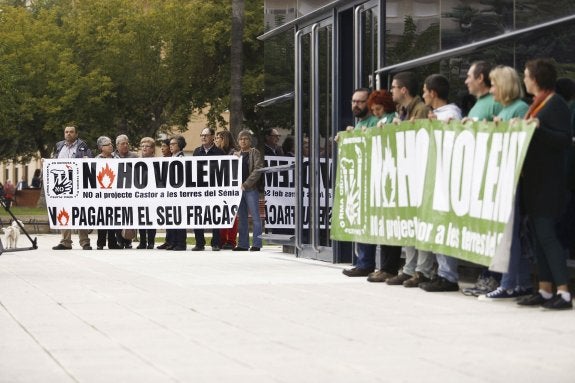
529,12
278,64
278,12
412,30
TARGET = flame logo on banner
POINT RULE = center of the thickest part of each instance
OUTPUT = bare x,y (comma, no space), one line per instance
106,177
63,217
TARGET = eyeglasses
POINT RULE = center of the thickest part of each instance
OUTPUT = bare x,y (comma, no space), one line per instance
173,143
145,146
358,101
107,144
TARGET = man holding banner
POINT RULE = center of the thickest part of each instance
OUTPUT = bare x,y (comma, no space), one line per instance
71,147
365,252
485,108
435,94
208,148
418,263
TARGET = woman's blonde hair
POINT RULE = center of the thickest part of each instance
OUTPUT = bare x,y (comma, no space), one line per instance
507,82
149,141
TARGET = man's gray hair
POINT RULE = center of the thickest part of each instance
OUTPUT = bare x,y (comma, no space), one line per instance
122,138
103,140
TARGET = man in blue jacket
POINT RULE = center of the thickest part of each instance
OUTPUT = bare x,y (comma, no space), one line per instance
72,147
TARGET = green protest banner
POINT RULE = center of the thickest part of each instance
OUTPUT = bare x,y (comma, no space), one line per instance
444,187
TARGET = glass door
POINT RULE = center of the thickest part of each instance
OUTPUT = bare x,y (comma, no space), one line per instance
314,131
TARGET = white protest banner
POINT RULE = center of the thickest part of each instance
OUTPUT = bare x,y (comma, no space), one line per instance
280,193
175,192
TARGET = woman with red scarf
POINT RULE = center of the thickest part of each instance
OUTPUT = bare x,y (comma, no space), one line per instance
544,186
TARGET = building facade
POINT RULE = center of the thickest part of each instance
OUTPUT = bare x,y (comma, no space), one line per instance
317,52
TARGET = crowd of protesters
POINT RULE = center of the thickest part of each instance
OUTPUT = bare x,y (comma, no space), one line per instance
222,143
543,212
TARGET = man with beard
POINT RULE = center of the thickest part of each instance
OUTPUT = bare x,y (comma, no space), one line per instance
390,255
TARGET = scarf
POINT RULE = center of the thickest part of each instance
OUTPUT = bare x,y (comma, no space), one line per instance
538,103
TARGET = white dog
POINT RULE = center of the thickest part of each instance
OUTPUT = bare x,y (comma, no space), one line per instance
11,235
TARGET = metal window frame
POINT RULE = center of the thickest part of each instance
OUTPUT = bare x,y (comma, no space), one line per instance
469,48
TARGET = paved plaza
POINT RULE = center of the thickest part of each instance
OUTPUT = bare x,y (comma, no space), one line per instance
162,316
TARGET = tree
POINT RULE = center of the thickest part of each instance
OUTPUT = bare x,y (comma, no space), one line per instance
47,87
119,66
237,32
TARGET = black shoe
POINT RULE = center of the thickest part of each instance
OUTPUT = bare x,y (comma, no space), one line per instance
356,272
114,247
215,248
128,246
150,246
237,248
61,247
532,300
557,303
253,248
198,248
179,248
141,246
162,246
227,246
86,247
169,247
439,284
100,248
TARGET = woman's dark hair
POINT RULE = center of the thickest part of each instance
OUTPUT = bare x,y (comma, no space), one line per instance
181,141
543,72
228,141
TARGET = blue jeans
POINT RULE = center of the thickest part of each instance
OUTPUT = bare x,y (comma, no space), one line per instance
365,256
250,201
447,267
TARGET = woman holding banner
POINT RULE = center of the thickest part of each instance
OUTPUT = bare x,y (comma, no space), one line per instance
147,236
178,237
381,104
507,90
225,141
251,160
544,185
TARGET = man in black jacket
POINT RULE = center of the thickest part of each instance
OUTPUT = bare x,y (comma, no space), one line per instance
207,149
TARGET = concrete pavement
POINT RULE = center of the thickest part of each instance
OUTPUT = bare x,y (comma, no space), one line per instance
163,316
